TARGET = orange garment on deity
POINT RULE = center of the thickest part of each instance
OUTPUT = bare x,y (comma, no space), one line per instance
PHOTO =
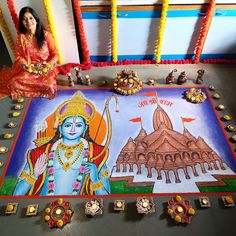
17,82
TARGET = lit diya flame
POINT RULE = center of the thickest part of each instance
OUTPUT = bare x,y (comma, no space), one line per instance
10,207
58,211
119,204
31,209
204,201
94,206
180,209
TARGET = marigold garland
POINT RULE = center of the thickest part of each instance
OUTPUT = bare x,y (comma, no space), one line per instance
7,33
114,30
13,12
204,30
83,41
48,8
165,6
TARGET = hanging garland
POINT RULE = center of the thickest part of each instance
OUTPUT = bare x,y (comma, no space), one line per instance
48,8
114,30
13,12
7,33
204,30
82,36
165,6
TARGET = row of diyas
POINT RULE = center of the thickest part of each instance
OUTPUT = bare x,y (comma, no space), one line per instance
12,124
59,212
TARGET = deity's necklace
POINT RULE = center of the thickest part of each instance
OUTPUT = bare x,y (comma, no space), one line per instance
69,150
67,165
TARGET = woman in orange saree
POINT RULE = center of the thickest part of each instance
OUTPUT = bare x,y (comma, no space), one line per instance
34,70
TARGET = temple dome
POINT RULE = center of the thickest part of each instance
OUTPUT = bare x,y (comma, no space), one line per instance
160,117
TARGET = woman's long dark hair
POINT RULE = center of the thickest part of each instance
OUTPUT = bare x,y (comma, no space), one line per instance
39,34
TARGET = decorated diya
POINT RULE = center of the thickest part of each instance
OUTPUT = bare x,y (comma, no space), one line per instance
127,82
11,208
58,213
228,201
145,205
8,135
195,95
11,124
94,207
119,205
32,210
204,202
18,107
180,210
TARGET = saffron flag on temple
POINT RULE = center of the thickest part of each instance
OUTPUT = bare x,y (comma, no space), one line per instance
150,94
138,119
184,119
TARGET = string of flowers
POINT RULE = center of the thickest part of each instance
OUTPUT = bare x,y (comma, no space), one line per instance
204,30
7,33
165,6
114,30
83,41
13,12
48,8
51,171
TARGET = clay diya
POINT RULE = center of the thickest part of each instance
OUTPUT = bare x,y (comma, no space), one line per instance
8,135
3,149
180,210
58,213
11,208
145,205
119,205
228,201
204,202
32,210
11,124
94,207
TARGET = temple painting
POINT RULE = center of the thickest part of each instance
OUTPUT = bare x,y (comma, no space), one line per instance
94,142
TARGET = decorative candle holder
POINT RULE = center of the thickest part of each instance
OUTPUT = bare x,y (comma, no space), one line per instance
94,207
16,113
58,213
216,96
18,107
20,100
11,124
127,82
11,208
32,210
180,210
194,95
119,205
3,149
8,135
204,202
145,205
228,201
227,117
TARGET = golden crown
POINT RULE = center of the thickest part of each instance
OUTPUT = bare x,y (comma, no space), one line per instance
76,106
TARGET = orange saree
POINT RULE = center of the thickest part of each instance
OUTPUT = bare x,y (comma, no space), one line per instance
17,82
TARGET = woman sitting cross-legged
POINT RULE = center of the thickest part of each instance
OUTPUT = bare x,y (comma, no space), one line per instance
34,70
